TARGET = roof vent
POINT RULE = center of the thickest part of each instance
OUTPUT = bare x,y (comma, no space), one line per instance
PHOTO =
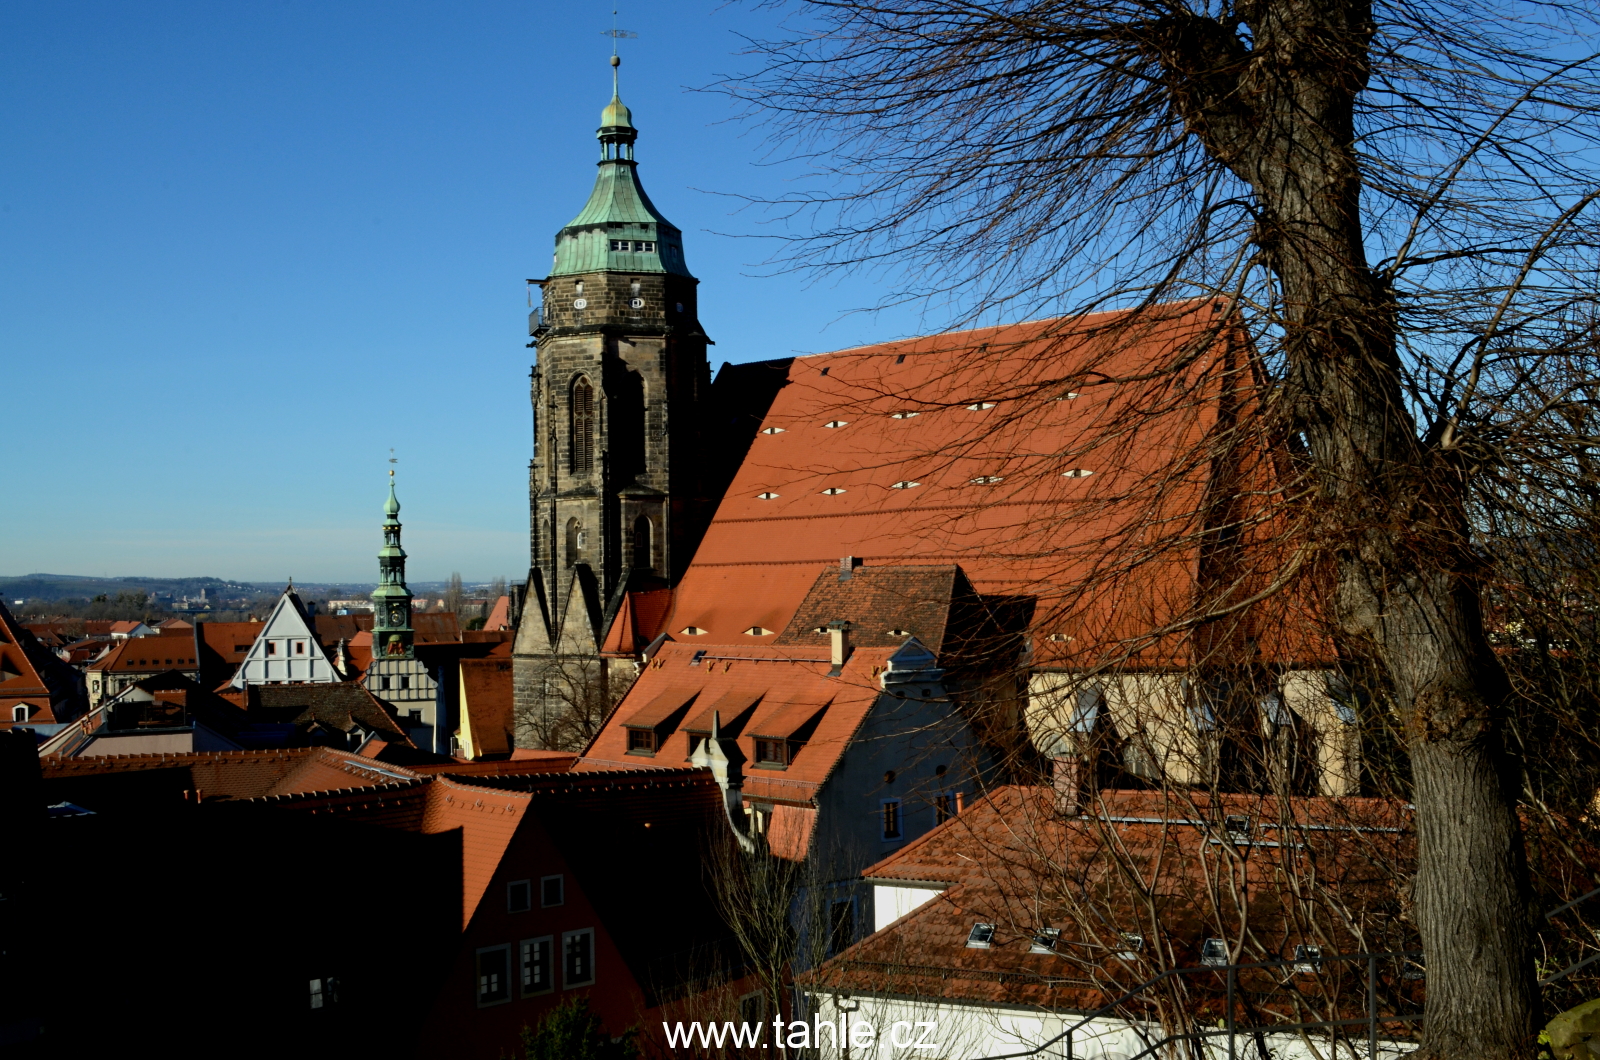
981,937
692,631
1214,953
837,423
979,406
833,491
767,496
905,484
758,631
773,430
903,415
1077,472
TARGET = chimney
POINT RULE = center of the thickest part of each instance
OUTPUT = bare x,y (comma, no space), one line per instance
839,642
1066,777
847,567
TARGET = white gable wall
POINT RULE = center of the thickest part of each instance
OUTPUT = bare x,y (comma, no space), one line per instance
286,652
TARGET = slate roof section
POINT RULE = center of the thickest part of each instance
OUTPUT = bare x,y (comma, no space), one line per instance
1008,859
884,605
336,706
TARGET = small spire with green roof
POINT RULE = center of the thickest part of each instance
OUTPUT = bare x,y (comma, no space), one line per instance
392,635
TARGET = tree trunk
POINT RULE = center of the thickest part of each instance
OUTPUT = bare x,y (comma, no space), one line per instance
1280,115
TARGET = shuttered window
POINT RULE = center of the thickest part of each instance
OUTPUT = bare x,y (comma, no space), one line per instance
582,427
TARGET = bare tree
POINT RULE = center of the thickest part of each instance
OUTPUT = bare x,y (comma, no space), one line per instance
1392,203
575,696
454,594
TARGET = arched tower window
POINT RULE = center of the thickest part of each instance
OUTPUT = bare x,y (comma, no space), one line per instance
642,555
582,427
575,542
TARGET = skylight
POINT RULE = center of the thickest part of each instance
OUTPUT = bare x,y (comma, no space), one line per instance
833,491
981,937
1044,940
905,484
1129,946
1214,953
1077,472
1307,959
767,496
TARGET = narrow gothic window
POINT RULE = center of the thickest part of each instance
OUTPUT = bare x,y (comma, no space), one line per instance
633,288
582,427
641,543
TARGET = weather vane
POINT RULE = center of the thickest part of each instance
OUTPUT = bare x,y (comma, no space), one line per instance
392,460
614,33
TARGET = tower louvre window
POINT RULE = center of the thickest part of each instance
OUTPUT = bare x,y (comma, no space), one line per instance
582,427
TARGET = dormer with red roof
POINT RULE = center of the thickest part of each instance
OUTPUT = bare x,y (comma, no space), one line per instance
36,688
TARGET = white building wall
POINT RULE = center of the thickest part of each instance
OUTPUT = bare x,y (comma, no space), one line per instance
978,1032
890,902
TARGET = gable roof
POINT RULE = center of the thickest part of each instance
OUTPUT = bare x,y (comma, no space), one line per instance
33,677
953,449
286,649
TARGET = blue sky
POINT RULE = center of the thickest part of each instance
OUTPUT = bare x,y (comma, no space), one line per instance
247,248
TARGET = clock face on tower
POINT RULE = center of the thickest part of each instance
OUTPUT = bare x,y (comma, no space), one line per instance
397,615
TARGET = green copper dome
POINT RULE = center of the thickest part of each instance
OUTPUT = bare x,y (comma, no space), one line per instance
616,115
619,229
391,507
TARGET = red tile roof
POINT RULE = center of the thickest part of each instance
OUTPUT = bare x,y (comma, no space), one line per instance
1012,861
978,476
246,774
168,650
486,704
788,681
27,671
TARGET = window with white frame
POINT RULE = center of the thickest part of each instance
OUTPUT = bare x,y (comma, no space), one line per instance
538,977
577,958
494,975
552,891
519,896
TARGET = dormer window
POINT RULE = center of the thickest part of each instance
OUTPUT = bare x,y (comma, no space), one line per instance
641,741
981,937
837,423
773,430
1077,472
1044,940
768,496
833,491
903,415
905,484
979,406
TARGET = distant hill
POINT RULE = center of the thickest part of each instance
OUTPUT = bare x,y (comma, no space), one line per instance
68,586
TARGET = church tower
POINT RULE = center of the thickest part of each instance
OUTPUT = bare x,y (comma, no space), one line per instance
617,487
396,675
392,636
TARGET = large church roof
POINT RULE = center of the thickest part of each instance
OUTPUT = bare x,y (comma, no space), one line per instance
1027,454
